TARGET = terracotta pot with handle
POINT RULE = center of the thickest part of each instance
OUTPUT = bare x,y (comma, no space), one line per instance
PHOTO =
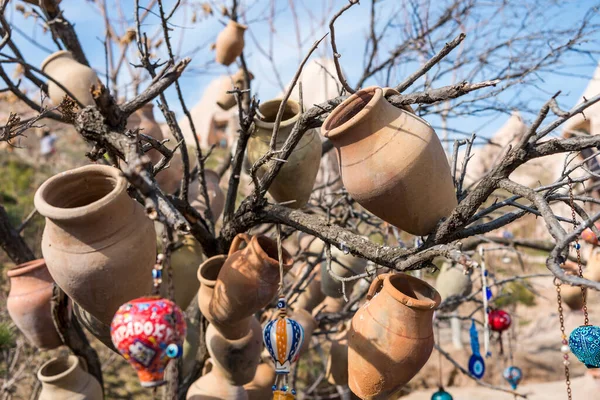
230,43
247,282
67,378
75,77
391,335
28,303
98,243
391,160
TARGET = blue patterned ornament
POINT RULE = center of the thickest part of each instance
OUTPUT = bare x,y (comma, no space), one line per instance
513,376
476,363
441,395
584,342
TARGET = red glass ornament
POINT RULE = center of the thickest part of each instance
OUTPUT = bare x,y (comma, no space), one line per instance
148,332
499,320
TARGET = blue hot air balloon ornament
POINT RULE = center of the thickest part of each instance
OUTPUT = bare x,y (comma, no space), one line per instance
441,395
283,338
476,363
513,376
584,342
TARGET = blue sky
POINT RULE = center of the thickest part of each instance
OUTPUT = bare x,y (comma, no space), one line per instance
351,31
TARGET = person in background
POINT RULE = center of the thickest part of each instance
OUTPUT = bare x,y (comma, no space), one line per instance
47,148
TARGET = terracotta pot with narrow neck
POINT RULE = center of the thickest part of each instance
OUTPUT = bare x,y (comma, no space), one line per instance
207,275
75,77
238,359
261,386
247,282
391,160
296,178
213,386
67,378
391,335
227,100
98,243
28,303
215,194
230,43
50,5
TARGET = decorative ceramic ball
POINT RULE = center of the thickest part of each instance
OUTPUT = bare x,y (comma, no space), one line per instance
441,395
283,338
499,320
584,342
513,376
148,332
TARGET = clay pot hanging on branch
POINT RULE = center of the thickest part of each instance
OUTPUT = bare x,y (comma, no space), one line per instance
28,303
296,178
453,282
75,77
391,335
391,160
230,43
227,100
67,378
98,243
247,282
213,385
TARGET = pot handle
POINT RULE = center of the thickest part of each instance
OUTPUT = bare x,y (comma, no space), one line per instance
376,285
237,242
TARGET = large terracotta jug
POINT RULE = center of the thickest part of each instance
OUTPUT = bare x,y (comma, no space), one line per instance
213,386
230,43
215,194
391,335
247,282
67,378
227,100
236,360
75,77
297,176
261,387
392,161
98,243
28,303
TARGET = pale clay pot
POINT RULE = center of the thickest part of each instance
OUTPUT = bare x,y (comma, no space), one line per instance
296,178
75,77
67,378
99,245
227,100
392,162
452,282
230,43
213,386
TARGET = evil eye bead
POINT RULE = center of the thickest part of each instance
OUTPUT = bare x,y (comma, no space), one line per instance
157,273
577,246
173,350
281,303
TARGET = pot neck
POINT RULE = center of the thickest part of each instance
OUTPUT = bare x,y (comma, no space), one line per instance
412,292
209,270
64,373
262,253
57,61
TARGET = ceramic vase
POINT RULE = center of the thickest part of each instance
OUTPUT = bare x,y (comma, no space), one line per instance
67,378
392,162
296,178
391,335
247,282
75,77
238,359
230,43
215,194
227,100
98,243
213,386
453,282
149,332
337,363
261,386
28,303
50,5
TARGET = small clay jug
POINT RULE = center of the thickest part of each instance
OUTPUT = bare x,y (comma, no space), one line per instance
98,243
100,330
227,100
75,77
297,176
28,303
391,335
236,360
213,386
391,160
247,282
184,262
215,194
261,387
50,5
230,43
453,282
207,276
336,371
67,378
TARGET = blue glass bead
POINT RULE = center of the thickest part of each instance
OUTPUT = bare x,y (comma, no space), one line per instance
488,293
294,392
577,246
584,342
173,350
285,388
274,387
441,395
485,273
157,273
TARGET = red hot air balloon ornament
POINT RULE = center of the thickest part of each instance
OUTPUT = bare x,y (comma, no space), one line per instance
499,321
148,332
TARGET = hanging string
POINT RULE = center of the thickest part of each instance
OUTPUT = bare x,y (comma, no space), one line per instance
563,335
280,256
578,251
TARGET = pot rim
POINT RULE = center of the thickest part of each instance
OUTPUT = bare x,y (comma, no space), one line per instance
54,56
49,379
288,261
25,268
205,264
426,304
60,213
237,25
294,105
328,132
